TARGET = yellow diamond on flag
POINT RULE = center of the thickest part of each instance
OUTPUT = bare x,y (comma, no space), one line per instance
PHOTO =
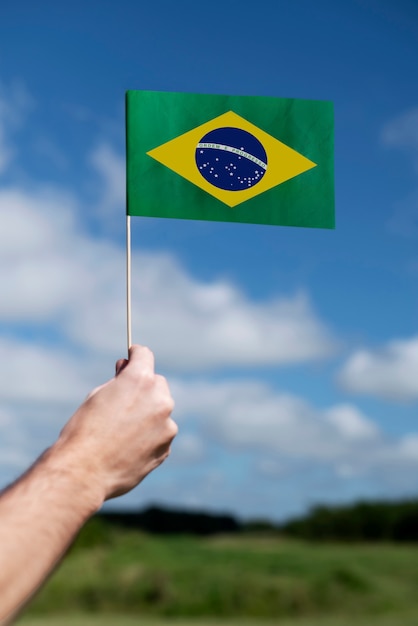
231,159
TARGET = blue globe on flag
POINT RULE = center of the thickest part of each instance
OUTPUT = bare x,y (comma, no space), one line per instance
231,159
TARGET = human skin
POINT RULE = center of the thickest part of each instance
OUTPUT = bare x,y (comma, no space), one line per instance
120,434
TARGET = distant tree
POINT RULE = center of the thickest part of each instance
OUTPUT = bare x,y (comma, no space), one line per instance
363,521
160,520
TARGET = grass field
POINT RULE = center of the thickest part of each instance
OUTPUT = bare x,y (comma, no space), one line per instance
120,620
131,578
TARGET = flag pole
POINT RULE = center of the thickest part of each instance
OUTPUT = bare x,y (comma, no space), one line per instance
128,282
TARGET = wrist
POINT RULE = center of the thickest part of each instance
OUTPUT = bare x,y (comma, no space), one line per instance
75,475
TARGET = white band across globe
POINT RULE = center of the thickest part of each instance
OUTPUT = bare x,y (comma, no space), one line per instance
246,155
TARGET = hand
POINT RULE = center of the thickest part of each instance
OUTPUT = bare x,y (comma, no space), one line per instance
123,430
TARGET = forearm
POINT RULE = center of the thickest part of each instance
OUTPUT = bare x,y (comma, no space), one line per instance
39,517
120,434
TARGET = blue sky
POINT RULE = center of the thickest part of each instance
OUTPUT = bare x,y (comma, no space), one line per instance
292,353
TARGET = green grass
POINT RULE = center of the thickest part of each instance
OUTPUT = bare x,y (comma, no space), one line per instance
121,620
233,577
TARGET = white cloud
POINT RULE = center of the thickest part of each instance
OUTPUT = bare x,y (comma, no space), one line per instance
391,372
408,445
53,272
17,449
189,448
404,220
402,132
283,428
39,374
111,169
194,325
351,423
249,413
280,431
39,259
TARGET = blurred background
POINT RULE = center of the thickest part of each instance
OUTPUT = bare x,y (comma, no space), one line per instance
292,354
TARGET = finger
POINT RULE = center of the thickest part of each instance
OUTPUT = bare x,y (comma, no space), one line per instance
120,364
164,392
162,384
141,357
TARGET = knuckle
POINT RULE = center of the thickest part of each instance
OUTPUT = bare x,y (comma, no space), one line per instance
165,397
146,352
170,404
147,378
166,406
172,429
161,381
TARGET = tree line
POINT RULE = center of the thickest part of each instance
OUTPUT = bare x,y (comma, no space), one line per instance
362,521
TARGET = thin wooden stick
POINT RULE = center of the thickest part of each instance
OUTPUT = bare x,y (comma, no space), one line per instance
128,281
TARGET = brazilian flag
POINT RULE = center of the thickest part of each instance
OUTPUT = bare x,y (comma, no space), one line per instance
247,159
